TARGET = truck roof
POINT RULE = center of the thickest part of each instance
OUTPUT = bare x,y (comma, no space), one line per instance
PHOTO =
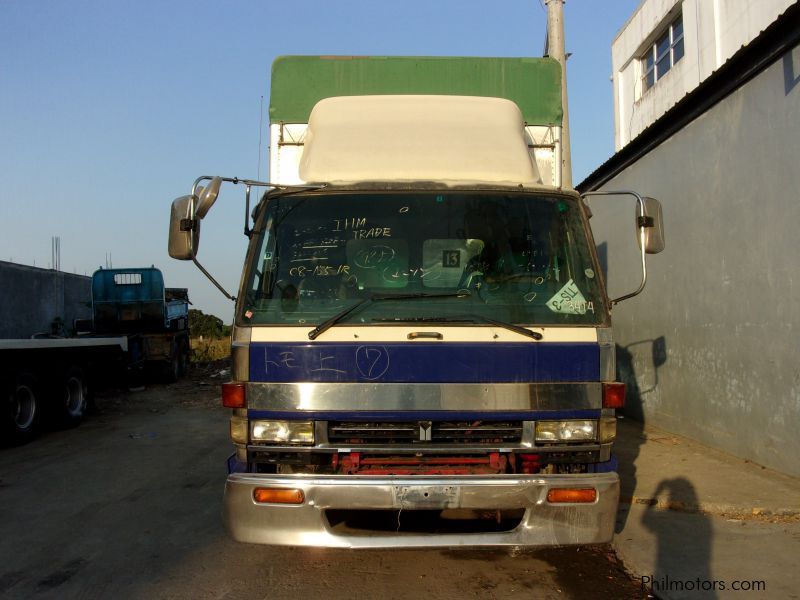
299,82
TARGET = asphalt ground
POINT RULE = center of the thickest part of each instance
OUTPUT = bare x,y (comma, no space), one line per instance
128,506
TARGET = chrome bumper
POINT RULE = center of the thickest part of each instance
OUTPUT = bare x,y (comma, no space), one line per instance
543,524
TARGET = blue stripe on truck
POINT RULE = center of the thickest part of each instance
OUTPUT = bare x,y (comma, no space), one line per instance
424,362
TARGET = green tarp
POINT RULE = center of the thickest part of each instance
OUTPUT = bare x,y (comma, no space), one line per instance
299,82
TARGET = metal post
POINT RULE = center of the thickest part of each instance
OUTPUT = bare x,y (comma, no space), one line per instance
555,49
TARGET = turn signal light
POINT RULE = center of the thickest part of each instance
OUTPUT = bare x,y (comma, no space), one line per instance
233,395
571,495
278,496
614,395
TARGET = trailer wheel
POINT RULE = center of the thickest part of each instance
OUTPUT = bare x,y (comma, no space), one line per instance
73,398
22,409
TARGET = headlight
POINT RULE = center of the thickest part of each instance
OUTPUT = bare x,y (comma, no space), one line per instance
282,432
566,431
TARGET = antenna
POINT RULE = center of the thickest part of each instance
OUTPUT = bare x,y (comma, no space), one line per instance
260,129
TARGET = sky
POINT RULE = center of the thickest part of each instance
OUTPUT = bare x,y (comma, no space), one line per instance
109,109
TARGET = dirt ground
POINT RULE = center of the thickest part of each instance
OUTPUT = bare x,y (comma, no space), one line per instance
128,506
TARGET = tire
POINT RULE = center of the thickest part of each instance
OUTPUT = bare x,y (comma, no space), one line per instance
72,398
183,354
135,377
22,403
172,372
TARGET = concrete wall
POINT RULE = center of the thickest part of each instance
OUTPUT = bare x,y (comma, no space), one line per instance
712,343
30,298
714,30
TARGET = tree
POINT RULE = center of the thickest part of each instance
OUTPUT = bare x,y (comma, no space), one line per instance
207,326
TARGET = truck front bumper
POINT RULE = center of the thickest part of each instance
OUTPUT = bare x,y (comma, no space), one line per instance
306,524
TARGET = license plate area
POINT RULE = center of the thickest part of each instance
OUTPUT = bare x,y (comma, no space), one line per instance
426,497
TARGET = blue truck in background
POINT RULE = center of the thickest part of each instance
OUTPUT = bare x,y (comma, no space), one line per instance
137,325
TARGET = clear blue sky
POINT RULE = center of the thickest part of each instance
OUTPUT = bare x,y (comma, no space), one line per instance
110,109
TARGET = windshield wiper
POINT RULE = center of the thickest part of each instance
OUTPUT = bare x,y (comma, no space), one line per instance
511,327
465,319
328,323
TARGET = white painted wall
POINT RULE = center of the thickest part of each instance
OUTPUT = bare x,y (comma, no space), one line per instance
714,30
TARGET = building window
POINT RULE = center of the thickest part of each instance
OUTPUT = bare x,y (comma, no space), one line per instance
662,55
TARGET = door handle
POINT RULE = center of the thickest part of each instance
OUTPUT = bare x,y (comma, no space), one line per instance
431,335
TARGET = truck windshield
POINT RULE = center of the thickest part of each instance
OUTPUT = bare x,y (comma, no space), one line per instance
519,257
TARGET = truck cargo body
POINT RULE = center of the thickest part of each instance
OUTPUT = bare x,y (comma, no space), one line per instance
51,379
135,325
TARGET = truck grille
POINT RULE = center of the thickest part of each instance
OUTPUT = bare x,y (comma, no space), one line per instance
425,432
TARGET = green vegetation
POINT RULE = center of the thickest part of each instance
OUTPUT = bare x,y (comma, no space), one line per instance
210,337
208,350
207,326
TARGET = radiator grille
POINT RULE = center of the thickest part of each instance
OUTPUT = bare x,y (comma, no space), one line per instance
425,432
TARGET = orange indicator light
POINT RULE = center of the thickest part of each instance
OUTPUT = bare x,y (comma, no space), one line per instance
278,496
571,495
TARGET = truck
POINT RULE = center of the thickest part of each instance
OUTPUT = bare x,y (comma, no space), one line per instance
136,324
422,352
155,318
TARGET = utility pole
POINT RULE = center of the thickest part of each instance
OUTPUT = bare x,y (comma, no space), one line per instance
555,49
55,251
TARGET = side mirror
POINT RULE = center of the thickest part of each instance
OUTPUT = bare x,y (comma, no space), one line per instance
207,197
184,233
652,224
649,230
